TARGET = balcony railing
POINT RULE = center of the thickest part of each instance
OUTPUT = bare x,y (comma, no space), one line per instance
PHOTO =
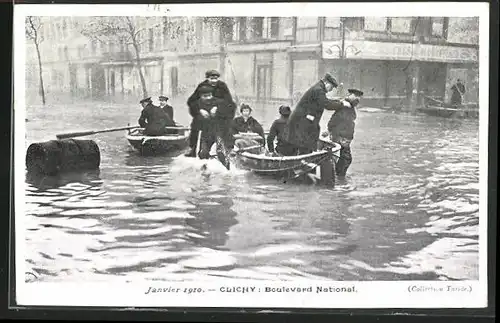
117,56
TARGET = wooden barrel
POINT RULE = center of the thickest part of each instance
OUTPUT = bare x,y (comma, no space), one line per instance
57,156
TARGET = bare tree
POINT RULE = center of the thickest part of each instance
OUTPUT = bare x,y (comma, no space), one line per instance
120,30
33,27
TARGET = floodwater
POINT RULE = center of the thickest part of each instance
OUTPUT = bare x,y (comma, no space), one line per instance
409,210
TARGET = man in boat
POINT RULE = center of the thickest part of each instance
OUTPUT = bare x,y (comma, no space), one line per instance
153,119
341,129
213,118
220,91
166,107
458,91
276,132
246,124
302,128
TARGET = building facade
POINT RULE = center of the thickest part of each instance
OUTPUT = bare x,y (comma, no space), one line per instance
266,61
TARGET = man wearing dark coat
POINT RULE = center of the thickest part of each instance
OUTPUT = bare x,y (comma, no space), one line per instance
341,129
165,106
458,91
302,129
220,91
154,119
213,118
276,132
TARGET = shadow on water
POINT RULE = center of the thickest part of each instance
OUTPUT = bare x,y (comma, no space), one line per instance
43,182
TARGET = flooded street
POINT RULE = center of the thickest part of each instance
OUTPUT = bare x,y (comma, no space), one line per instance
410,209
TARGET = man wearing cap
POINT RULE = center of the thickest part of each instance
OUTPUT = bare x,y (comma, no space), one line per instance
219,90
302,129
165,106
154,119
213,118
276,132
245,124
341,129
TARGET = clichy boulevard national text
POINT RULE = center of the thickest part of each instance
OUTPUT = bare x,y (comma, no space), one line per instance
253,289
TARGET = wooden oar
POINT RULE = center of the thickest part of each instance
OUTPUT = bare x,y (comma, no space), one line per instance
93,132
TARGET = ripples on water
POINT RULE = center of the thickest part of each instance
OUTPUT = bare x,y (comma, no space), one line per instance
409,211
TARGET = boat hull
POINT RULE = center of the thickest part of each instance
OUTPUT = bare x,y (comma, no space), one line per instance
290,166
449,111
158,145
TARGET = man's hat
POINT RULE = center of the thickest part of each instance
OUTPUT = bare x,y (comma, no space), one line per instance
245,106
285,110
355,92
212,73
206,89
148,100
329,78
162,98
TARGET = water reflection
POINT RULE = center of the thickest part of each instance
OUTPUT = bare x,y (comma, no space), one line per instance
409,211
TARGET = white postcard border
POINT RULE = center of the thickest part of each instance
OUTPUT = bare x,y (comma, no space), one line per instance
368,294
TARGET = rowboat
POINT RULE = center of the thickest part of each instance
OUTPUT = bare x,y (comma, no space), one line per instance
438,108
157,145
321,161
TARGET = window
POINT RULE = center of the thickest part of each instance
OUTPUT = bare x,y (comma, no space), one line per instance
307,22
257,27
437,28
111,47
64,28
242,24
376,23
354,23
275,27
287,24
332,22
401,25
166,30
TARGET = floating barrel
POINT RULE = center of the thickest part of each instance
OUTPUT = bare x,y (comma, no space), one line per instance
56,156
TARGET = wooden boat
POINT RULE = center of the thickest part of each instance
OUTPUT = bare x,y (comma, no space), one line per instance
157,145
439,108
321,161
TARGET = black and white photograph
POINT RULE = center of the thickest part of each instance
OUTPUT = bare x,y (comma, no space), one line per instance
319,155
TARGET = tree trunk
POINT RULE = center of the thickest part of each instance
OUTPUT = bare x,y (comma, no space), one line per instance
42,91
139,66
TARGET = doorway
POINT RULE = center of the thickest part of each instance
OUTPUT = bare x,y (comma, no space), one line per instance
263,82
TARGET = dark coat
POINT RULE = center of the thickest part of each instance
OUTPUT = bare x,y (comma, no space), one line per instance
220,91
169,110
458,91
342,123
302,132
154,120
276,132
251,125
217,125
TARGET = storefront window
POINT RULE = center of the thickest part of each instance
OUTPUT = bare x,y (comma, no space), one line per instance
437,26
376,23
401,25
307,29
332,28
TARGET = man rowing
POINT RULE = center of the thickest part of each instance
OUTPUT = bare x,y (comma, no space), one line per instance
302,129
154,119
219,90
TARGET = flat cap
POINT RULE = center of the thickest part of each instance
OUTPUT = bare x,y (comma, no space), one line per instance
163,98
329,78
285,110
355,92
212,73
146,100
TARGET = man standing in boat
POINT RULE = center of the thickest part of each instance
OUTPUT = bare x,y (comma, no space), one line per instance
302,129
341,129
219,90
166,107
154,119
213,118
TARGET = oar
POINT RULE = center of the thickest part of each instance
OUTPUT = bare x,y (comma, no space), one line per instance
93,132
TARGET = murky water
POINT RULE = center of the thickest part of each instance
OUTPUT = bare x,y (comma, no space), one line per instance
409,210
